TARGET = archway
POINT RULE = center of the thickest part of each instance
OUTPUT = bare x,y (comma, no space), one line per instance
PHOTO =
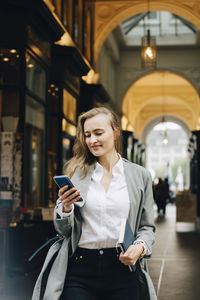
110,14
173,119
160,93
166,154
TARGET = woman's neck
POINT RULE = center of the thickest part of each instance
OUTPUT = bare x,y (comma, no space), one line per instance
109,160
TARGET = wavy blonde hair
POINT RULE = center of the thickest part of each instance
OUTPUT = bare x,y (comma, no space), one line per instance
82,158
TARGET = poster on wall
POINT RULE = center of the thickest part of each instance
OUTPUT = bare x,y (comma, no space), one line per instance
17,176
6,167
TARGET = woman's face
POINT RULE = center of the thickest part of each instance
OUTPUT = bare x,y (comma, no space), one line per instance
99,135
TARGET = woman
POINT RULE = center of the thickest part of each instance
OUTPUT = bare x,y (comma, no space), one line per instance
86,265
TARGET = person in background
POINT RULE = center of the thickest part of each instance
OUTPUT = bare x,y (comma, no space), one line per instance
161,195
85,264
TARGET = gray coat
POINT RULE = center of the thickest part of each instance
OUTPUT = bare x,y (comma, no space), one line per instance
50,282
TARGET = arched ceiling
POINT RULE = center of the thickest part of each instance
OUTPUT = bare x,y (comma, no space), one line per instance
160,93
109,14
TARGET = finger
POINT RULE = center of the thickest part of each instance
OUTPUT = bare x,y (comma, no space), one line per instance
67,193
129,251
62,190
69,204
125,255
125,260
75,199
71,200
128,262
69,196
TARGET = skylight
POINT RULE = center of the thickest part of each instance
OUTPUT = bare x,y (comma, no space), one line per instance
166,27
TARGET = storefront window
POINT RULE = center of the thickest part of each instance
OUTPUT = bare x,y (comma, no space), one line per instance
35,77
9,66
69,106
35,145
68,127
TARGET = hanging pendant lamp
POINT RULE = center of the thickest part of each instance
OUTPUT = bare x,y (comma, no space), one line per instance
148,51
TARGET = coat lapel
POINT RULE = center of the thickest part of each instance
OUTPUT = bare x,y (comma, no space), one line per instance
135,195
82,185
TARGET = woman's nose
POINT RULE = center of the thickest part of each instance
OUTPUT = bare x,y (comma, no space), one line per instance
93,138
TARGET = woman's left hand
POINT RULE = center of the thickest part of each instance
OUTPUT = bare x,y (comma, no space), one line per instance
130,257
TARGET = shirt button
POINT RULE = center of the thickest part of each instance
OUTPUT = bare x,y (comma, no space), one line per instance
101,252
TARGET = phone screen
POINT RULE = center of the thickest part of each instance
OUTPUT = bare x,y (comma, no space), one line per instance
63,180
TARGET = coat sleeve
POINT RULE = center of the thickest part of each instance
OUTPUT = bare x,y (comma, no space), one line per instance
70,227
146,230
63,226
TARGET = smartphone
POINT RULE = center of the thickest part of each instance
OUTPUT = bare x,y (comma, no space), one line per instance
62,180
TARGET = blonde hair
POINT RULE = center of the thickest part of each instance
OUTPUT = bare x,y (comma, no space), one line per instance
83,159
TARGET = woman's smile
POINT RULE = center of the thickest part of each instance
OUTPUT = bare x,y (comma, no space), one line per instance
95,147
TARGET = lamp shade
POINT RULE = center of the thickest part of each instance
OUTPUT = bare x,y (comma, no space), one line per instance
148,51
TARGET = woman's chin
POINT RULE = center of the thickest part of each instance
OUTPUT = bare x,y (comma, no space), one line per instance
97,153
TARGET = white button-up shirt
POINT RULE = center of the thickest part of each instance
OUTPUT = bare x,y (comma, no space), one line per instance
103,211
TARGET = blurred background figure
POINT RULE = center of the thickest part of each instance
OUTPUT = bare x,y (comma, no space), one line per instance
161,195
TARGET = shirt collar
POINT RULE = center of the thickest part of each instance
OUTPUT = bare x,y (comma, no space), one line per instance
117,170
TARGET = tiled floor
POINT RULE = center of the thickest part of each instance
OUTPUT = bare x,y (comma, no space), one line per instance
174,266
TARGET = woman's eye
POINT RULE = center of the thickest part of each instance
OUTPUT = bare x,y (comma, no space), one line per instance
98,133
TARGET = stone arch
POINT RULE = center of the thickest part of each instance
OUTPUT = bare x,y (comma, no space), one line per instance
169,118
141,105
110,14
140,73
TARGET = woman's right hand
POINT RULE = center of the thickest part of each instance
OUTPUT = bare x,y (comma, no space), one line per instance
68,197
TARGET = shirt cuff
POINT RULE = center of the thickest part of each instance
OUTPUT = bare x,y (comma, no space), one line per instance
59,210
146,252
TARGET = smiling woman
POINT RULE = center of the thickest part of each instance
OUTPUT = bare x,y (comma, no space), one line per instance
99,136
107,188
105,121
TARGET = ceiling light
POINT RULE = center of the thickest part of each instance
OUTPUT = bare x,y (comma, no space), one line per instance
30,66
148,50
165,137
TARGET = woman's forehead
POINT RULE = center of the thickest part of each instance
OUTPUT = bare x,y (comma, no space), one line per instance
98,121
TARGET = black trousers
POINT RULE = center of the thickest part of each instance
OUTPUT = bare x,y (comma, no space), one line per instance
99,275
